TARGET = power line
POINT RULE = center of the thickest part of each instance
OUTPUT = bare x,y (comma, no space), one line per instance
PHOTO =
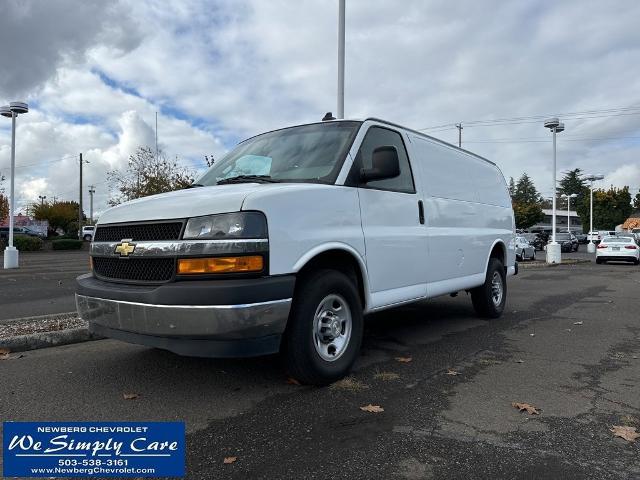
586,114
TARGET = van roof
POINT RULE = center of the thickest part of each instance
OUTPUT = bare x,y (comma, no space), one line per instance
386,122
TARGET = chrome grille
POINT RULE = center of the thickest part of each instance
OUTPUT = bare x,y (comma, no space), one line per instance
152,270
138,232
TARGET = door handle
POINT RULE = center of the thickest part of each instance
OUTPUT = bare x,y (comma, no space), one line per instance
421,212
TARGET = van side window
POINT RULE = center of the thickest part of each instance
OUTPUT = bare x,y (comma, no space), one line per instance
378,137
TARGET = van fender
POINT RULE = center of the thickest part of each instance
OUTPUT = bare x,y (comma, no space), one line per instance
506,254
325,247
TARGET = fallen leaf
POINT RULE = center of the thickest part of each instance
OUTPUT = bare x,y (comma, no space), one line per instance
628,433
372,408
228,460
577,323
452,372
130,396
292,381
4,353
530,409
404,359
519,361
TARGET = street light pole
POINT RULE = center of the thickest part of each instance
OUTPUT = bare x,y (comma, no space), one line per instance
11,258
341,14
92,190
591,247
42,199
569,197
554,254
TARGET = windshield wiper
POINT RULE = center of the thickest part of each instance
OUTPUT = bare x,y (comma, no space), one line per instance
248,179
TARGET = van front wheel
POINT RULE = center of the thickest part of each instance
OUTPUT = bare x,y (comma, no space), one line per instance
324,333
489,299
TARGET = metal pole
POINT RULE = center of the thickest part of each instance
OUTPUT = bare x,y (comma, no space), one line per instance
13,174
591,213
91,192
568,215
553,213
341,14
156,136
459,127
80,203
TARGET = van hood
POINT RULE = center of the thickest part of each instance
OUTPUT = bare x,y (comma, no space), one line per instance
191,202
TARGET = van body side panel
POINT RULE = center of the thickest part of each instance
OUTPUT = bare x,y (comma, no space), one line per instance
466,209
305,217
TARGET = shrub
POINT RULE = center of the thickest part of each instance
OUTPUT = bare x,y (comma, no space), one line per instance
25,243
67,244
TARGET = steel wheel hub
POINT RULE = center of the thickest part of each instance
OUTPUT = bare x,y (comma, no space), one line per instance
496,289
332,327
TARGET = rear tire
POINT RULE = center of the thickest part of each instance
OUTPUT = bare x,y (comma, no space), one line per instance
489,299
324,332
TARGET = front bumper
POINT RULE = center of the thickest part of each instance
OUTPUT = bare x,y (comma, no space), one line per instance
213,318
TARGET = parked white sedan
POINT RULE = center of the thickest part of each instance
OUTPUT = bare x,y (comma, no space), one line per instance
618,249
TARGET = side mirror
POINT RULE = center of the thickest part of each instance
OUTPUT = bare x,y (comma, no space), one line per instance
385,164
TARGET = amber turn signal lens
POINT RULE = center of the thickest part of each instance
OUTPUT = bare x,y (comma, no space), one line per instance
188,266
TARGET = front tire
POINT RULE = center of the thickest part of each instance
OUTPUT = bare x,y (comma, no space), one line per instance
324,333
489,299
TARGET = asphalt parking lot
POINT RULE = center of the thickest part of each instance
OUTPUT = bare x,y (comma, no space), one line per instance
568,344
44,283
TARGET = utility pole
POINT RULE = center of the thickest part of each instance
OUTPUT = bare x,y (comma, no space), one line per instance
55,199
459,127
341,15
42,199
80,202
92,190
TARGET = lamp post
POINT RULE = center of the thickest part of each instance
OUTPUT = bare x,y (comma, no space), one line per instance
341,15
569,197
12,111
553,249
591,247
42,199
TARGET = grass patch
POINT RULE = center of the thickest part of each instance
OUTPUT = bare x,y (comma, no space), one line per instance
349,384
386,376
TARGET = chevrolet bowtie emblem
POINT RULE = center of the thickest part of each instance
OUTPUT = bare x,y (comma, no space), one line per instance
125,248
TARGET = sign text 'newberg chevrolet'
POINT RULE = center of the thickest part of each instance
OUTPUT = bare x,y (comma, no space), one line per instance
93,449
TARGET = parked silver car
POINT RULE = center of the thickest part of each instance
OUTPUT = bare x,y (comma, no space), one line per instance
524,250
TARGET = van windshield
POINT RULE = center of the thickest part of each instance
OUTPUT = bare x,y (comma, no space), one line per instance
307,153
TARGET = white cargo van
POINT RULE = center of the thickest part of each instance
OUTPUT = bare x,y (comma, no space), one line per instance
290,238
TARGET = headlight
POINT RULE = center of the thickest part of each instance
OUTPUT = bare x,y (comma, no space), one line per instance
227,225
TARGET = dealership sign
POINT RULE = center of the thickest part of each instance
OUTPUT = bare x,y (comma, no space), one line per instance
88,449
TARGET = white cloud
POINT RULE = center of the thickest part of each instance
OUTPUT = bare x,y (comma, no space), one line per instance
220,71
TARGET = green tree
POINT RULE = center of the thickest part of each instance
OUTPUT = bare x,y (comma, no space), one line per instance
4,207
610,207
527,203
512,187
147,175
572,182
636,201
60,215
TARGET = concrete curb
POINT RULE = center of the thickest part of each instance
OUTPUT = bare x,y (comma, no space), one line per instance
33,341
577,261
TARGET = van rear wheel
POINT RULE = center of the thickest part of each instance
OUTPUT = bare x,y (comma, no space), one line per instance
324,333
490,298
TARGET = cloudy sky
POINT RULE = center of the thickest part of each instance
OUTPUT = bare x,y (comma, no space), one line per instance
94,73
